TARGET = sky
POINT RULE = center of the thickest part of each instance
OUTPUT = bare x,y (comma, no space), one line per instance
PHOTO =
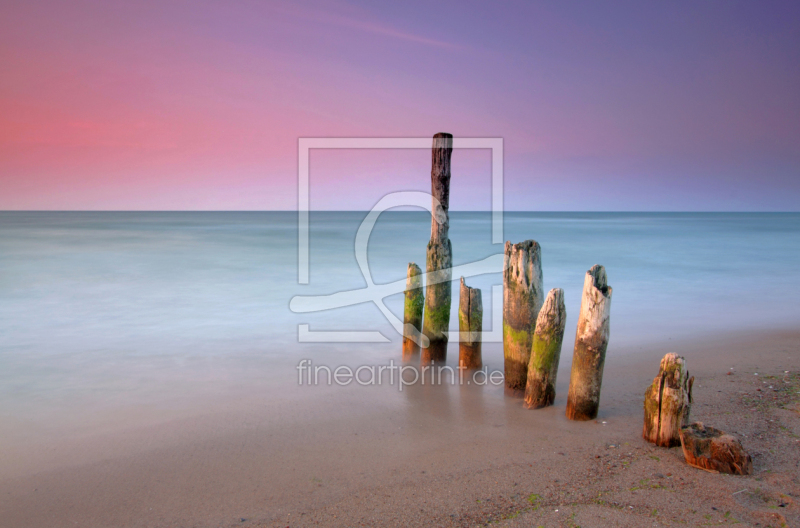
197,105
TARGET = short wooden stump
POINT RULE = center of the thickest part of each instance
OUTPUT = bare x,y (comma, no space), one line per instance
714,450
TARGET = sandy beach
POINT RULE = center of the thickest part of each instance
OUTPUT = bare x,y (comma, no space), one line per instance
434,455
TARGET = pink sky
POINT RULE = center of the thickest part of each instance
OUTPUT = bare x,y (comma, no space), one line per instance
199,105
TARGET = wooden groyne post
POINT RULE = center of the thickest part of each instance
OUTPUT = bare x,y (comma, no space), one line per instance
470,326
540,391
439,259
591,341
412,319
667,402
522,299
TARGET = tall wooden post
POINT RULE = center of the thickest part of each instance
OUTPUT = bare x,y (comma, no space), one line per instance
540,390
414,301
667,402
591,341
470,326
522,299
439,258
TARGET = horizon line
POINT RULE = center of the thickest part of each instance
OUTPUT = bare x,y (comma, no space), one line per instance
368,210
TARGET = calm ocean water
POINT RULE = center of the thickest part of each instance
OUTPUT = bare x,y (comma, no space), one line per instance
102,308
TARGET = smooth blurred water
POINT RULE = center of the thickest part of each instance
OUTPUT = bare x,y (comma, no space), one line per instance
118,306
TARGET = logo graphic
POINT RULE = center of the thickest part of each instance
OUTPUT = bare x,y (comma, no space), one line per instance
376,293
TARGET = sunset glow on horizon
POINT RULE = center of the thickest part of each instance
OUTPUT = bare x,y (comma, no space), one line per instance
199,105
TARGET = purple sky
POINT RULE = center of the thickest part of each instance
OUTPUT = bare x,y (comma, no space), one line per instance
199,105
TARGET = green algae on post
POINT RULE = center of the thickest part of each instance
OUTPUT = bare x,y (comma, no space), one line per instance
412,318
470,326
591,342
522,299
540,390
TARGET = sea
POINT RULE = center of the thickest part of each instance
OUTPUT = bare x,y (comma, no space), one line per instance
105,312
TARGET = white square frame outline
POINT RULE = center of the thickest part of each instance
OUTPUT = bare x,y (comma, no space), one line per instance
303,203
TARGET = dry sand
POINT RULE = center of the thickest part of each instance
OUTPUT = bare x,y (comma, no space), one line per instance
435,456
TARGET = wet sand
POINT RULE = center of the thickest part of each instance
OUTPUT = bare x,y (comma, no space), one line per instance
431,455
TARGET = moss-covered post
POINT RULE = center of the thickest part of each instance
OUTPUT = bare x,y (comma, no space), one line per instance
470,326
439,260
540,390
591,341
522,299
412,319
667,402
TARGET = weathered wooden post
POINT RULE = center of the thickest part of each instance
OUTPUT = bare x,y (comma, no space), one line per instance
667,402
439,260
522,299
470,326
591,341
414,301
540,390
714,450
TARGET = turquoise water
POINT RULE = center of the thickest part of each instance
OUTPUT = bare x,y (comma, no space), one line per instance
108,307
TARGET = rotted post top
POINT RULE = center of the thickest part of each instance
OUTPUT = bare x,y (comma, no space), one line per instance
440,185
